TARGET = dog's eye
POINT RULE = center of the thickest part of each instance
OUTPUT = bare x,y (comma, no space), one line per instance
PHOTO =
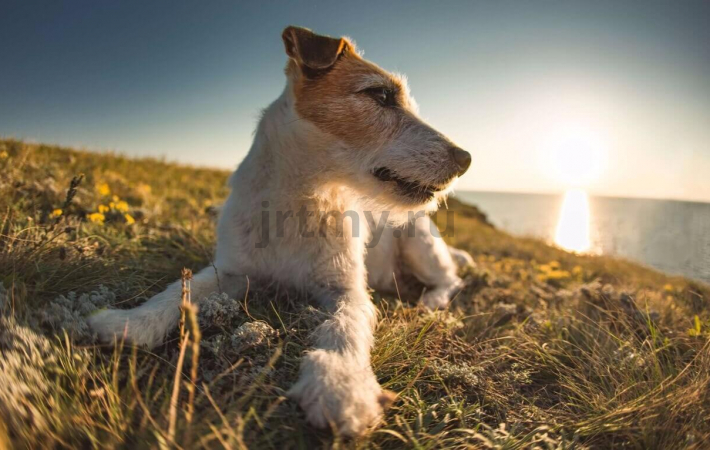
383,96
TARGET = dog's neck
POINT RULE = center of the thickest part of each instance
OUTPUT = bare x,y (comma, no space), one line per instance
289,162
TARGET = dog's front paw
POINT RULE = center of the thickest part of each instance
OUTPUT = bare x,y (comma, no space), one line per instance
436,299
336,390
115,325
462,258
440,296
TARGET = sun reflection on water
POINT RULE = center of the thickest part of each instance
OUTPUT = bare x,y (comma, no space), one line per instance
573,225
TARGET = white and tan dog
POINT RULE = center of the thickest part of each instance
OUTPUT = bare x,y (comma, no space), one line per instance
343,141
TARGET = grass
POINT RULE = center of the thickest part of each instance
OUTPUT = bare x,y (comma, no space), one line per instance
544,349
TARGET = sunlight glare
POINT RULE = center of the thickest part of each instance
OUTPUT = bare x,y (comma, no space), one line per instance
573,225
575,155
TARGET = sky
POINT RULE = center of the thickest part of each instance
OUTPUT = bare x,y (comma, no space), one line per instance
609,96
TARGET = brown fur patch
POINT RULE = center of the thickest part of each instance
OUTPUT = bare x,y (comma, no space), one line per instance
334,101
311,50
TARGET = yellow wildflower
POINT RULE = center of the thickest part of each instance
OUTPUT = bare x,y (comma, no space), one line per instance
544,268
103,209
97,217
57,212
551,273
114,198
121,206
129,219
143,189
3,154
103,189
697,329
668,287
578,272
558,275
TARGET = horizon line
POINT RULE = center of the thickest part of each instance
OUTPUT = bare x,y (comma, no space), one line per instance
588,191
167,160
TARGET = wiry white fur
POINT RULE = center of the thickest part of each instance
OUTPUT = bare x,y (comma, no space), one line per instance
293,165
425,255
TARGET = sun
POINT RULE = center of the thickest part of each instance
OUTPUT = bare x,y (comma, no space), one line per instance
574,156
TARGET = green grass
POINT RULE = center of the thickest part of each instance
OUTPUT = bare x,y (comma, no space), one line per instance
544,349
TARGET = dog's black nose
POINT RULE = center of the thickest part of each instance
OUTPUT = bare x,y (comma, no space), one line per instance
462,158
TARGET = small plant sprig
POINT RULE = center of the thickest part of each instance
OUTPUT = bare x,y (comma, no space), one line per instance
71,193
188,314
59,213
52,232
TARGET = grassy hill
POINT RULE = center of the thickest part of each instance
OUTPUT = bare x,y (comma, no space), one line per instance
544,349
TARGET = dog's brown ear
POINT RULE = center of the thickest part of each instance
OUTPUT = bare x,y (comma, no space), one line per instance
312,50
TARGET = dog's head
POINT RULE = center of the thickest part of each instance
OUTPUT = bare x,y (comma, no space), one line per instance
382,148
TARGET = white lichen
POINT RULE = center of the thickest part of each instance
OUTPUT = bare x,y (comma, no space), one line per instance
68,313
218,310
27,361
252,334
248,335
502,308
462,373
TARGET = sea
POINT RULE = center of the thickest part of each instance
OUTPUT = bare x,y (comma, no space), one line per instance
668,235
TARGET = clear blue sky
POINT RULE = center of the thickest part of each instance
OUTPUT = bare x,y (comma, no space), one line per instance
514,82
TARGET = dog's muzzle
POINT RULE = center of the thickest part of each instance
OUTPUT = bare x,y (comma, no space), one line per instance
425,192
462,158
408,188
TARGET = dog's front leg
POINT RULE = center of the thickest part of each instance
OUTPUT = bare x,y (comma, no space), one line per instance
337,386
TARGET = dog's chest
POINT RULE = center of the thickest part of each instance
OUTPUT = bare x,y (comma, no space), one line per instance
382,262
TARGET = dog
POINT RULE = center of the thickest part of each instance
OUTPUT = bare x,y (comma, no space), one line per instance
343,141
